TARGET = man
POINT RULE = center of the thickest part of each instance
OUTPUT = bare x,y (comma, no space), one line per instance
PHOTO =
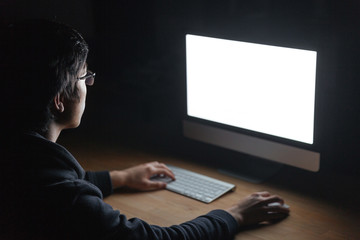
45,193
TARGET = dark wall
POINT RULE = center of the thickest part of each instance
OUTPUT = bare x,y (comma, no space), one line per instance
78,14
137,50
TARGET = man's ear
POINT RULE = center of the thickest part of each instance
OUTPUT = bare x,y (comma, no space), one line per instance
59,103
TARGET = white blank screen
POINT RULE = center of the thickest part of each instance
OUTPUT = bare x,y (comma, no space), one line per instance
262,88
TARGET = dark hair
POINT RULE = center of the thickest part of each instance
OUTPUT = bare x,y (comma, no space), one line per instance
39,59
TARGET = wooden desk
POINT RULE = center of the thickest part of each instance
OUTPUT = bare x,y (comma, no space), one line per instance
309,219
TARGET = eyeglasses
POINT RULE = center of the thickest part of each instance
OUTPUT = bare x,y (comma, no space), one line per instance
89,78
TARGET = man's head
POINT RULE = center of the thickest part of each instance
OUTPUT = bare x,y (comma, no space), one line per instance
39,61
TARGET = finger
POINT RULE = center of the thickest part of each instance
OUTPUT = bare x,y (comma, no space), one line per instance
272,199
261,194
161,168
157,164
264,194
152,185
163,171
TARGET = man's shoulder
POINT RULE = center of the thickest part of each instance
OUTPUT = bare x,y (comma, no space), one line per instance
39,159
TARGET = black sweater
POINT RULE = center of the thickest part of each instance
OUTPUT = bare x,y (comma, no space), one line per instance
45,194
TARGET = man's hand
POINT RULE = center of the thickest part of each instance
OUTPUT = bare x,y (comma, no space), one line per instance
254,209
138,177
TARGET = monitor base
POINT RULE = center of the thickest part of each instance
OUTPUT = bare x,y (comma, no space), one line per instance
254,173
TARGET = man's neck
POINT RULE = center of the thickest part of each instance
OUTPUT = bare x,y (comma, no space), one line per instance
53,132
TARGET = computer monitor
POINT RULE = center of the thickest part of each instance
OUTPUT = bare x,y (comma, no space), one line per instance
257,99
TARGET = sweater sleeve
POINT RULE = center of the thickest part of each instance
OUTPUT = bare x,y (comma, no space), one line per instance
102,180
98,220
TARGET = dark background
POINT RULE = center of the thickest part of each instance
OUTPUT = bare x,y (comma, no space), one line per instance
137,50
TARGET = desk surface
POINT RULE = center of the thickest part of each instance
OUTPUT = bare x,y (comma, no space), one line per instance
310,218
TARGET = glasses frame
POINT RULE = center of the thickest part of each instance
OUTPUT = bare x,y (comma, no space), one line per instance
89,78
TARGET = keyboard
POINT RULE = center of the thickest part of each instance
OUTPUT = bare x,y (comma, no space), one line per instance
195,185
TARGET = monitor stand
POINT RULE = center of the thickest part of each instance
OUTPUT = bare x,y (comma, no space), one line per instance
251,169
